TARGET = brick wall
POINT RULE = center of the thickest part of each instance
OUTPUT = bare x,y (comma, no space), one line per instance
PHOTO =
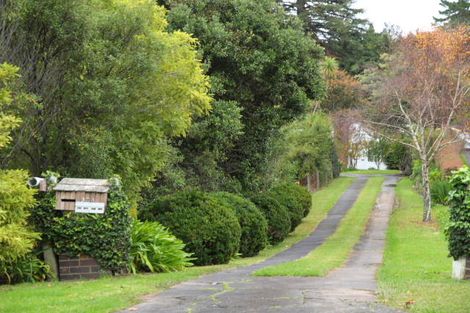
81,267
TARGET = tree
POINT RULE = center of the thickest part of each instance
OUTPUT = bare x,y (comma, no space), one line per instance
113,87
304,148
344,122
16,239
258,58
343,92
377,151
336,25
454,13
423,92
8,122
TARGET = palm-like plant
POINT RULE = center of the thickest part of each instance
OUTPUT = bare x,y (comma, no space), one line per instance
155,249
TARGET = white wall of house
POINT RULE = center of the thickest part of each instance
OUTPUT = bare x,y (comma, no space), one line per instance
362,134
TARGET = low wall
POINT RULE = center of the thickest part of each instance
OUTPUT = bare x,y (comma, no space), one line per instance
79,267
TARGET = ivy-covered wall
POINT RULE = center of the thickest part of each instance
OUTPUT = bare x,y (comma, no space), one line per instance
105,237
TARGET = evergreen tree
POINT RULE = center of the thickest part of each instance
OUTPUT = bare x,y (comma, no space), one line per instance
454,13
336,25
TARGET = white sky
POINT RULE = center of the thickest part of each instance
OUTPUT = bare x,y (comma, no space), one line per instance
409,15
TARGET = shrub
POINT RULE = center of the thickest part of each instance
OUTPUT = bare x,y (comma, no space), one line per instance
277,216
295,198
155,249
16,239
105,237
253,224
25,269
458,230
440,190
209,229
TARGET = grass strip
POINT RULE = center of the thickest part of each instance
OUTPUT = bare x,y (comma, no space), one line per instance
336,249
109,294
416,274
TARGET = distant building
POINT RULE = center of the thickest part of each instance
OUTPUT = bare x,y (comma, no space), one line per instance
358,156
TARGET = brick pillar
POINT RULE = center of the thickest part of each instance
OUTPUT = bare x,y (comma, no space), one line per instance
78,267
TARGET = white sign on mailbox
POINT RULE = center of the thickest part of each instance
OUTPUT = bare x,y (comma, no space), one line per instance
89,207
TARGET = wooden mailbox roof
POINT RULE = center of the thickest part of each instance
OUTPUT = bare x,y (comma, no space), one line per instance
82,184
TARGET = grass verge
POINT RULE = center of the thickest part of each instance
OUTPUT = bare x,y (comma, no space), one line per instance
109,294
373,172
416,274
337,248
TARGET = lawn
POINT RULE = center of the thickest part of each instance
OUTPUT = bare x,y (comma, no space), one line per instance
416,274
373,172
336,249
110,294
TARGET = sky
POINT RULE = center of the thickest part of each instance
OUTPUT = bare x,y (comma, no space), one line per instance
409,15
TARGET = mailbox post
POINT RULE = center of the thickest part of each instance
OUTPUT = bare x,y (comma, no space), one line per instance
81,196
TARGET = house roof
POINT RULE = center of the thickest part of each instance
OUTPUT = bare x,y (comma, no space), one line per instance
82,184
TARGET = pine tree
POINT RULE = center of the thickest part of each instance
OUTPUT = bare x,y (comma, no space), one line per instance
454,13
336,25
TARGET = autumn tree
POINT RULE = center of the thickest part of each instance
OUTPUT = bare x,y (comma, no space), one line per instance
421,94
343,92
347,141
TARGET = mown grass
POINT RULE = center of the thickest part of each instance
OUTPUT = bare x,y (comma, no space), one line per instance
416,274
373,172
336,249
109,294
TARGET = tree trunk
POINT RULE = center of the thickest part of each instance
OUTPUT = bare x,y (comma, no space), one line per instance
309,182
426,192
318,179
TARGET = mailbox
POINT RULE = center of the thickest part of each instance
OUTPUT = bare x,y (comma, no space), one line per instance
82,195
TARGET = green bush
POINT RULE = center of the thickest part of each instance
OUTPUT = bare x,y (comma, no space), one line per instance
28,269
105,237
277,216
209,229
440,190
252,222
16,238
295,198
458,230
155,249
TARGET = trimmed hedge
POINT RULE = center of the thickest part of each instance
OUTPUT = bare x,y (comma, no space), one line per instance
209,229
277,216
295,198
252,222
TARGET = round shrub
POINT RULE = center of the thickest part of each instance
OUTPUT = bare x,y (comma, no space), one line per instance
252,222
295,198
209,229
276,215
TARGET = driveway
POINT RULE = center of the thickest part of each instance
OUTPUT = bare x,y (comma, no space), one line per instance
351,288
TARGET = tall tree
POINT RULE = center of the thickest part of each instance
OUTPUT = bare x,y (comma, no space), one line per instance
454,13
258,58
422,94
336,25
16,239
113,85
